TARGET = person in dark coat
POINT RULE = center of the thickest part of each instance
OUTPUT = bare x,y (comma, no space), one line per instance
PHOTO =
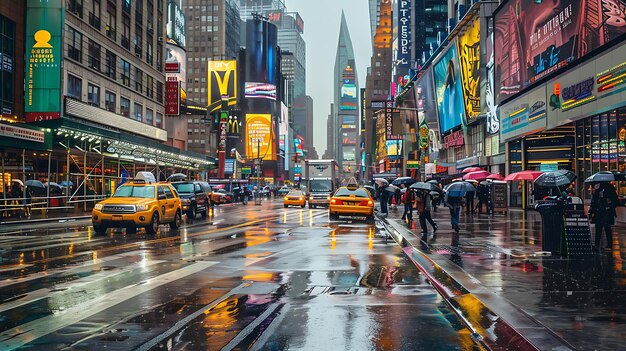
602,211
481,192
384,197
469,198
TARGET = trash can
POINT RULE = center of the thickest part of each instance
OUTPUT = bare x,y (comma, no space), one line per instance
551,211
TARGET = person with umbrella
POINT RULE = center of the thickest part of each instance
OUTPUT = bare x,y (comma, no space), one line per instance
602,212
424,203
383,195
482,194
408,198
454,200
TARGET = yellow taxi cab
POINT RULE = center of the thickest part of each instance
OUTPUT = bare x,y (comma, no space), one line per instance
295,198
351,200
142,203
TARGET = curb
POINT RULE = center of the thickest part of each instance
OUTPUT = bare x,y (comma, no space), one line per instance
44,220
494,321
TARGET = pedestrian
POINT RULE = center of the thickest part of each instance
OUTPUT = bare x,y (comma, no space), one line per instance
384,197
454,203
408,198
481,193
469,197
602,212
397,196
424,206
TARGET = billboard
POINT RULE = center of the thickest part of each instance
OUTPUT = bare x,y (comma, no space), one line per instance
44,31
523,115
222,82
469,60
489,102
393,124
393,149
176,64
299,146
283,126
176,24
262,63
348,100
448,89
535,38
259,137
260,90
172,96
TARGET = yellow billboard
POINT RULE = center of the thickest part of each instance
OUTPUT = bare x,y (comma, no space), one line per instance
259,137
222,83
469,60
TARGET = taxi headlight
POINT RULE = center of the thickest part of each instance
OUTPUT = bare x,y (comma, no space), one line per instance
141,207
98,207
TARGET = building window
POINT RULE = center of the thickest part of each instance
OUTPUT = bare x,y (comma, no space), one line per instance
159,92
111,21
126,32
138,41
94,15
138,79
149,54
93,95
139,12
75,45
138,111
94,55
149,116
126,6
125,107
189,132
126,73
159,58
111,61
7,77
109,101
149,86
74,87
159,120
76,7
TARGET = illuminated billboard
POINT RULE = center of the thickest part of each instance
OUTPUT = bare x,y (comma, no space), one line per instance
469,60
261,59
176,24
393,149
299,147
535,38
348,100
259,136
260,90
222,83
176,58
44,24
448,90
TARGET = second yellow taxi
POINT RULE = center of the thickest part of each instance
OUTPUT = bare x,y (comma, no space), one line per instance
295,198
351,200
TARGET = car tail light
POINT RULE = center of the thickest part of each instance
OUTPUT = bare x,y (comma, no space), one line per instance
336,202
366,203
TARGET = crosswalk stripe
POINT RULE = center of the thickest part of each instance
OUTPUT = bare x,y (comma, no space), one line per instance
25,333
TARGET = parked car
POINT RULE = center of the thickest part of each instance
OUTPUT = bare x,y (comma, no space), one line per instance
193,198
141,202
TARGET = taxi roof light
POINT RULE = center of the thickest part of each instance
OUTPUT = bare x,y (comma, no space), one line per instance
144,177
352,184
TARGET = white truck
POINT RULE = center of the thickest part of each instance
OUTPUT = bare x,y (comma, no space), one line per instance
321,181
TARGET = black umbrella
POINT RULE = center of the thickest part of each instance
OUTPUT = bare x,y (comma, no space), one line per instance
177,177
34,184
569,174
555,179
459,188
425,186
403,180
603,176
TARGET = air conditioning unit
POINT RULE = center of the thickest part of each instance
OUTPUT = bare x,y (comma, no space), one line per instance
138,54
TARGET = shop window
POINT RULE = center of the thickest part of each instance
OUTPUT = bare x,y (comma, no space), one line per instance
93,95
149,116
124,107
75,45
109,101
138,111
74,87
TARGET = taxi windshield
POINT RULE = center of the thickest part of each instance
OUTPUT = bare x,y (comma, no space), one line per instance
360,192
295,193
145,192
184,188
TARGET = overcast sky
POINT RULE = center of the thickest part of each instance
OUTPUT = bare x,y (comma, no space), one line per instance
322,19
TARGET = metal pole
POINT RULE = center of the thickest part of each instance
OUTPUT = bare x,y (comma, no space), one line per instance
84,181
4,186
67,176
102,174
258,154
48,187
24,172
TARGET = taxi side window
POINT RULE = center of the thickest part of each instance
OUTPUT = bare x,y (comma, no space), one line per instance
162,195
169,192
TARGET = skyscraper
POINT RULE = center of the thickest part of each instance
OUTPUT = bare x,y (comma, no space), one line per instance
346,86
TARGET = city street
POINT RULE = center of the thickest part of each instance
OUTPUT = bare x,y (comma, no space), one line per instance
248,277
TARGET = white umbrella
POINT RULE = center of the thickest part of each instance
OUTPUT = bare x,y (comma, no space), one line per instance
381,181
18,182
391,188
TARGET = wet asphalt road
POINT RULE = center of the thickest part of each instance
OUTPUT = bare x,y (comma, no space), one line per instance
248,277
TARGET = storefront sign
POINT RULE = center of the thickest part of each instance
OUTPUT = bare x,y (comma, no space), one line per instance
172,67
229,166
21,133
393,126
453,140
246,170
469,59
44,31
412,164
172,96
524,115
467,162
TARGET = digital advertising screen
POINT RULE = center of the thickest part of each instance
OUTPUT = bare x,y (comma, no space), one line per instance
394,148
448,88
348,100
261,62
469,60
299,147
222,82
176,55
260,90
259,137
535,38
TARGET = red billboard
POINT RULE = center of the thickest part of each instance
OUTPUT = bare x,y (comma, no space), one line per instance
534,39
172,96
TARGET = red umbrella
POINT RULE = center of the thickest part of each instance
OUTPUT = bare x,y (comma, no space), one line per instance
471,169
479,175
523,175
495,176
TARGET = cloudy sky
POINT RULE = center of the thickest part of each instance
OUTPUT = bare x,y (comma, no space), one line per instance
321,32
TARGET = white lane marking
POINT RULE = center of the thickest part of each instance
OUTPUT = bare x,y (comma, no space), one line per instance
245,332
63,242
25,333
74,284
269,331
70,269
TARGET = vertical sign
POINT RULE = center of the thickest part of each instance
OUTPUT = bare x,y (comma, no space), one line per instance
469,60
259,133
403,57
222,83
172,96
363,110
44,25
393,126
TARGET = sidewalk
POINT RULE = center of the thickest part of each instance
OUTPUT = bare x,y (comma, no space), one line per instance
494,270
41,216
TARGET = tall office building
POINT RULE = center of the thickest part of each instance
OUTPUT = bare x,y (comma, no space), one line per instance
346,86
213,29
431,17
